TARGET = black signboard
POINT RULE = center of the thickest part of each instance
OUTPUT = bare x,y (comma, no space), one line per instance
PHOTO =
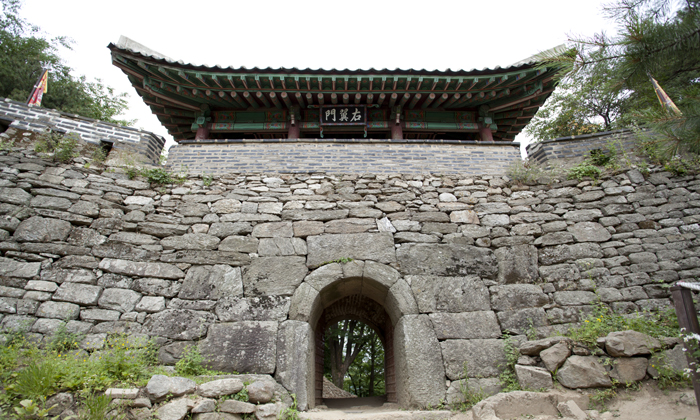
344,115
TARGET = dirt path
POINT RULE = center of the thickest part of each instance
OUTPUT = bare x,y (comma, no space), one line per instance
647,403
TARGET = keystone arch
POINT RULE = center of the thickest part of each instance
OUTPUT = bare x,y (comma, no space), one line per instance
377,295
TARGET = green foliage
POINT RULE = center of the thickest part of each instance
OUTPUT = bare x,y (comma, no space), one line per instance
584,170
523,171
365,375
99,156
667,377
29,410
508,379
679,166
63,147
354,358
28,372
63,340
600,397
602,321
585,102
97,407
6,145
655,38
191,363
602,157
242,395
36,381
290,413
207,180
25,52
160,176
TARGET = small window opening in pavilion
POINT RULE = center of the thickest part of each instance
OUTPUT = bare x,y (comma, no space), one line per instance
354,365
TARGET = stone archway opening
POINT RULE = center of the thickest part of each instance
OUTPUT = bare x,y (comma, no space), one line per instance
357,310
363,298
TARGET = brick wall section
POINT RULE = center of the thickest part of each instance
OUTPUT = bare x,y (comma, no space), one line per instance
142,143
576,148
343,156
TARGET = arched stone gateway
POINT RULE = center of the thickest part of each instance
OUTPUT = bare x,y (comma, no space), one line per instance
414,368
360,308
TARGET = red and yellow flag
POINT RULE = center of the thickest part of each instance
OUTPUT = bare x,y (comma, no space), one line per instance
39,89
665,100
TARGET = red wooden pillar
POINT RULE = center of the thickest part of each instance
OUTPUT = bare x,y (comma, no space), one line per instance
485,132
293,131
202,133
396,131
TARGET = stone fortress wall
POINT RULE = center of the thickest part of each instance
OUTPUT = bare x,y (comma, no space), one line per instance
139,142
577,148
250,266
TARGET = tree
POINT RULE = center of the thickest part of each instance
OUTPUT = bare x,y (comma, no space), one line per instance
657,38
354,358
344,342
25,52
584,102
367,373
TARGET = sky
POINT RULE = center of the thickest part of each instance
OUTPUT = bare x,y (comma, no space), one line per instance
354,34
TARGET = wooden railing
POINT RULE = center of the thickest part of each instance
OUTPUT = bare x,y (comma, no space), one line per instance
688,321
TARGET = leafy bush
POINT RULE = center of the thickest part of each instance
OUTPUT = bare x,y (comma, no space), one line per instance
63,147
583,170
36,381
191,363
30,410
96,407
160,176
28,372
6,145
601,157
601,321
63,341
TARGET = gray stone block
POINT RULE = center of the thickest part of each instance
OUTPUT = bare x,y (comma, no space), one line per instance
211,282
246,346
361,246
420,372
295,361
179,324
466,325
449,294
447,260
274,275
482,358
82,294
257,308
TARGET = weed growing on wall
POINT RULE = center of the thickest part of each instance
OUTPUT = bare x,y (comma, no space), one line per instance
63,147
602,321
191,363
584,170
28,372
6,145
290,413
97,407
508,378
599,398
470,397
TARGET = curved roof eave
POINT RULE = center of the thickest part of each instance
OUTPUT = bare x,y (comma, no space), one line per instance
130,47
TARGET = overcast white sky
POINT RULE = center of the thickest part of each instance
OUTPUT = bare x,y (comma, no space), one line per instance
435,34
